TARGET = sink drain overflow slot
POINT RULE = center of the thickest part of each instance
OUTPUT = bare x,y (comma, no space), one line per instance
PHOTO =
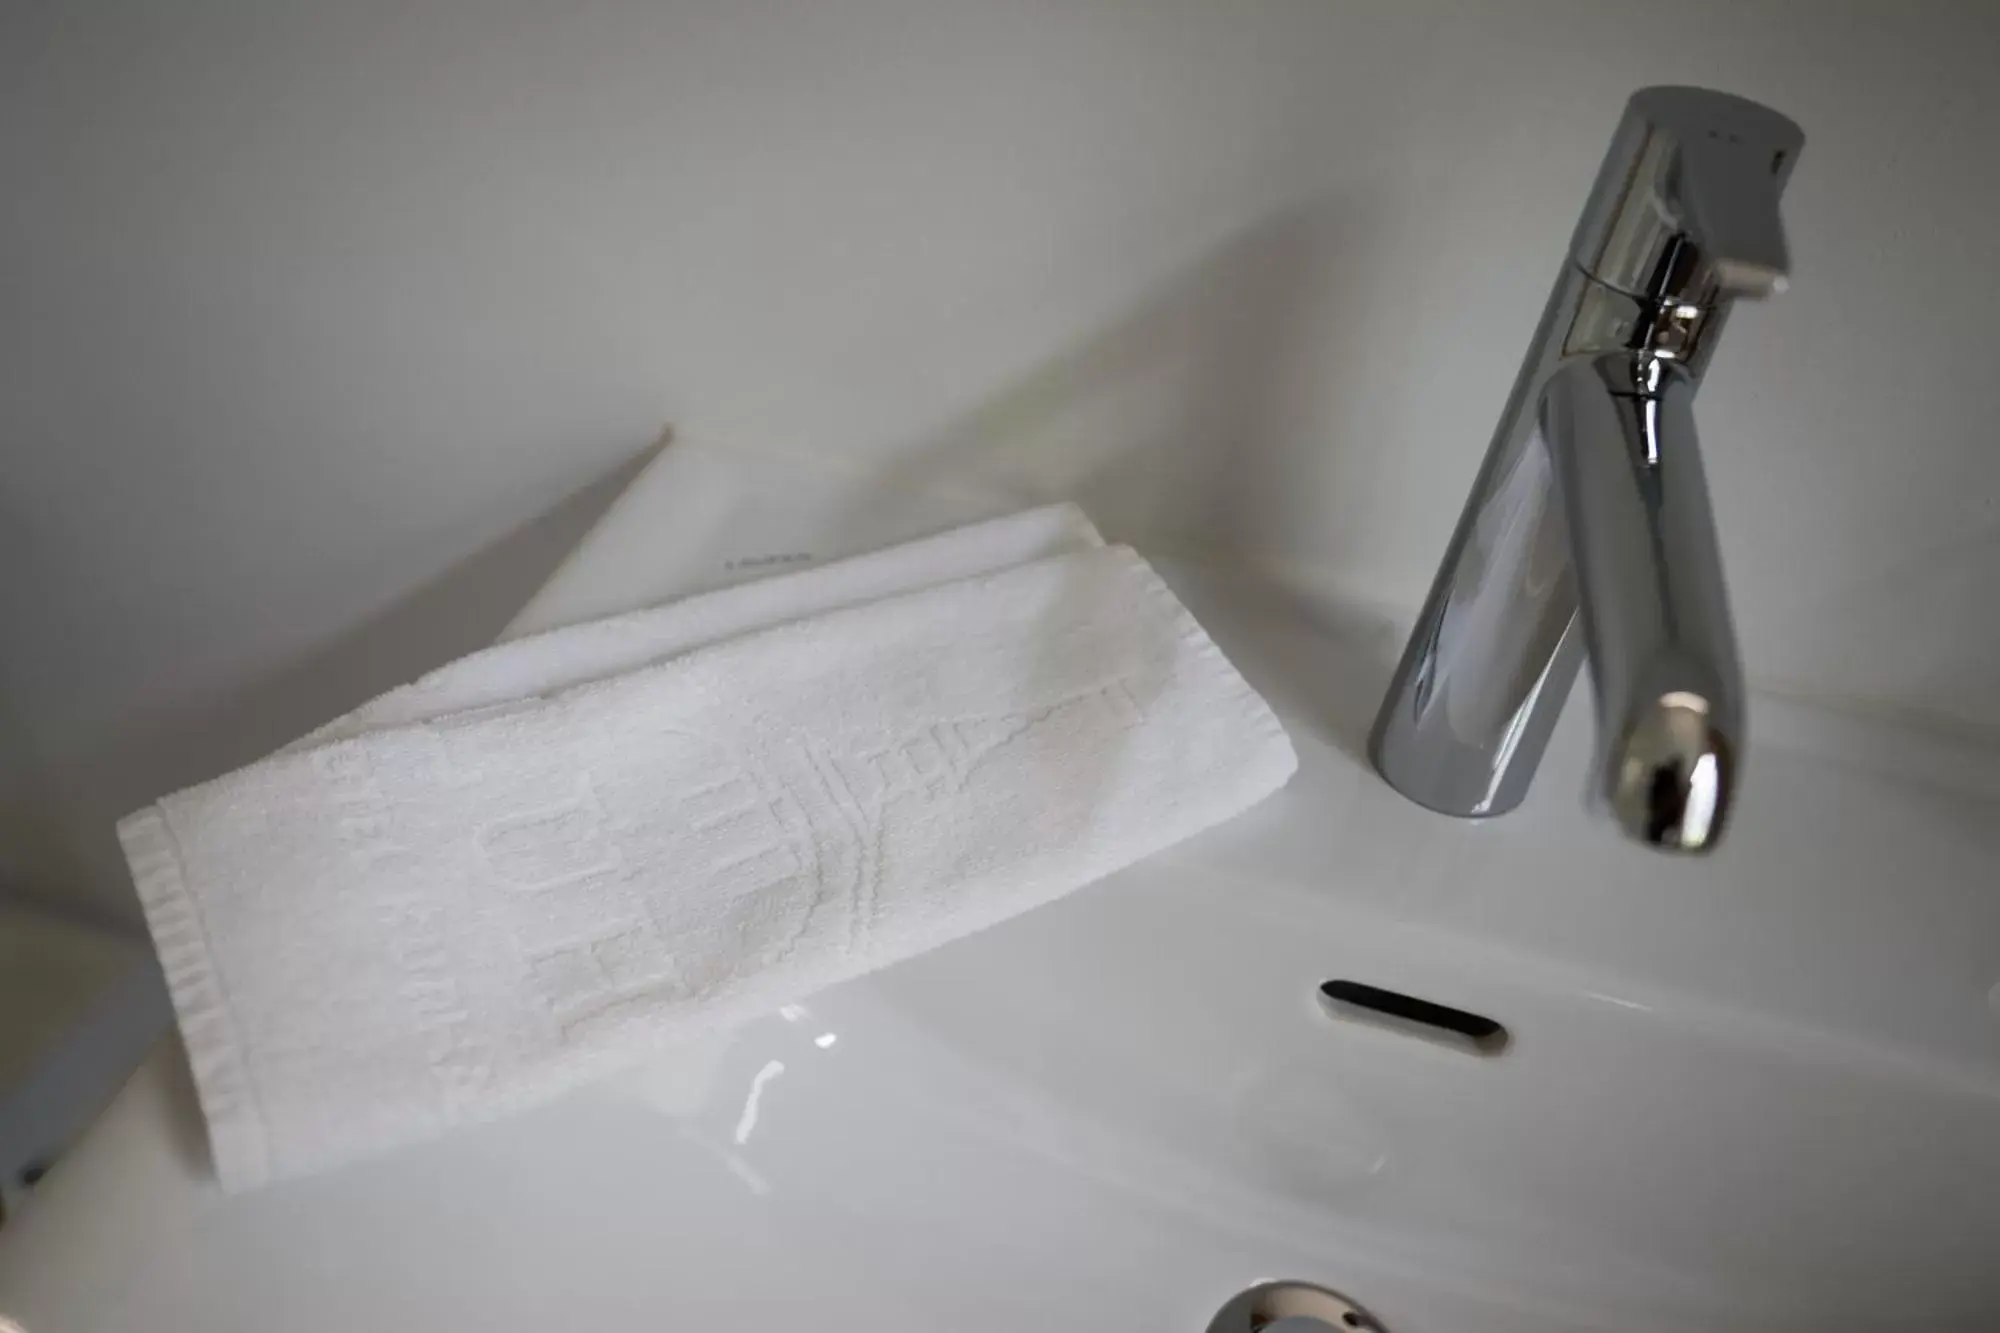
1413,1017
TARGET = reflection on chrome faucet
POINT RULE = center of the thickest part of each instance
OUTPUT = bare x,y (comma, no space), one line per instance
1588,531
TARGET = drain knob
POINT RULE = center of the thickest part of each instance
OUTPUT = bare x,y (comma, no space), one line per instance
1291,1307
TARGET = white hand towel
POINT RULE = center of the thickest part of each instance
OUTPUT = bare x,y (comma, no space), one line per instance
434,922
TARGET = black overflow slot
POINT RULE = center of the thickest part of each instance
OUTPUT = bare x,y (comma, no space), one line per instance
1413,1016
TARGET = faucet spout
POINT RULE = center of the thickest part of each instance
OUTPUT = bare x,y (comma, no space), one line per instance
1651,605
1588,534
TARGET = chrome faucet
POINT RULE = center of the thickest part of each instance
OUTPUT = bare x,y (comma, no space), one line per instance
1588,530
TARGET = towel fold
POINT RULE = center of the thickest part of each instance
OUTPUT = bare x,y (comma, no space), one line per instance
553,660
554,857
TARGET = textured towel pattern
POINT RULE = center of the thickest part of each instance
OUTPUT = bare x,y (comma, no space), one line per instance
443,916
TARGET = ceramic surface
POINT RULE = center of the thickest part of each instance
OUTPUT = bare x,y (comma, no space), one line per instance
1757,1091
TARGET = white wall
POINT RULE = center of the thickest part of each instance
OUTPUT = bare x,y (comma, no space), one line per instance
304,302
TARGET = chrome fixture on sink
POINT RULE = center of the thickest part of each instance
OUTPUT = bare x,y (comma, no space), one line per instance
1588,531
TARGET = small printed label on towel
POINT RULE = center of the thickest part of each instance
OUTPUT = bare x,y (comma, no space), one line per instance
767,561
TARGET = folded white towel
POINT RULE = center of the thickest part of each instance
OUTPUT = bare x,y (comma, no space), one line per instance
458,913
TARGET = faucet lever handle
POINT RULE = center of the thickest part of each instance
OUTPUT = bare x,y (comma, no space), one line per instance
1685,208
1727,192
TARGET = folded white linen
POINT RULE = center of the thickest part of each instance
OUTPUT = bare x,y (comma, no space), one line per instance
555,857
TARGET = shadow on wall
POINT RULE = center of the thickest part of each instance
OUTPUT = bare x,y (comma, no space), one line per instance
1188,424
62,852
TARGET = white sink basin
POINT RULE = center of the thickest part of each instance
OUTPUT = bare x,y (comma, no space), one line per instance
1759,1092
